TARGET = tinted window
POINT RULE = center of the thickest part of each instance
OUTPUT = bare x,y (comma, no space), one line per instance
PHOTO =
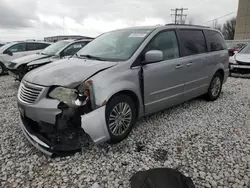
21,47
73,48
40,46
31,46
215,41
165,42
193,42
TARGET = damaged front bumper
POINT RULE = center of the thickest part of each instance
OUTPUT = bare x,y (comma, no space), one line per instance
68,140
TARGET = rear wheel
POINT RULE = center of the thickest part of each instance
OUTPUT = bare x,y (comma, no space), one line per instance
2,69
120,117
215,87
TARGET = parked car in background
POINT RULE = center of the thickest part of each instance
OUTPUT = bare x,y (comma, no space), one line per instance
61,49
117,78
14,50
240,62
235,48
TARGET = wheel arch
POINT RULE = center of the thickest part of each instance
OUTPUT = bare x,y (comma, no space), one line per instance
132,95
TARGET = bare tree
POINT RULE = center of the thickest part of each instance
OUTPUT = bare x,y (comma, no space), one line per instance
190,21
229,29
216,25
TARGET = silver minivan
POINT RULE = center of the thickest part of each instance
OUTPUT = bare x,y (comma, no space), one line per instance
119,77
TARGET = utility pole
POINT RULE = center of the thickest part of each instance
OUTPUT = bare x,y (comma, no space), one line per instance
179,17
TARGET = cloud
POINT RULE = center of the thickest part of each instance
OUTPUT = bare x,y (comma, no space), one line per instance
20,19
14,15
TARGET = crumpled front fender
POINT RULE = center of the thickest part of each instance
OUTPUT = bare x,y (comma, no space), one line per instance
94,124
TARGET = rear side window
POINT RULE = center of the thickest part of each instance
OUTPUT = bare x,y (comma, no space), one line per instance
167,43
193,42
36,46
31,46
40,46
215,41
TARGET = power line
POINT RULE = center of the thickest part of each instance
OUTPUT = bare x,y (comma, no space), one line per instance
220,17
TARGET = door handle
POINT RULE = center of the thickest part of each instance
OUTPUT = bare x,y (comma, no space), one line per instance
178,66
189,64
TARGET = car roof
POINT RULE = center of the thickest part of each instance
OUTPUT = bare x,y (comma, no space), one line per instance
170,26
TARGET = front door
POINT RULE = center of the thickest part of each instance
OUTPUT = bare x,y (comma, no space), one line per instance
163,81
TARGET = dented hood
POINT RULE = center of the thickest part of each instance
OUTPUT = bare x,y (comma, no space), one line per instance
66,72
30,58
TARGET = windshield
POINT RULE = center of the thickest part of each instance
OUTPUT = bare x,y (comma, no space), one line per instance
245,50
116,45
54,48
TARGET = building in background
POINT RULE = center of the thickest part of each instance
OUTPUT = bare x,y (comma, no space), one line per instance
242,30
65,37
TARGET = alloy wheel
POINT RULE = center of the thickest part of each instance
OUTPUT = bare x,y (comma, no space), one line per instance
120,119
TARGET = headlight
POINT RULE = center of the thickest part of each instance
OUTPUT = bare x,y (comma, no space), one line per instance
65,95
232,60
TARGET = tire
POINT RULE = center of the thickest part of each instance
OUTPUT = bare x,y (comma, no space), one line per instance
2,69
120,124
215,87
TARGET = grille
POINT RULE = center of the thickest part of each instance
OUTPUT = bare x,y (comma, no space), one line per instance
242,63
28,93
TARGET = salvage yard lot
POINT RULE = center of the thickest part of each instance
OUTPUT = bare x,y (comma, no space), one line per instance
209,141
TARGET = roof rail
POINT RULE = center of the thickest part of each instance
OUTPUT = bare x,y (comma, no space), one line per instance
88,38
187,25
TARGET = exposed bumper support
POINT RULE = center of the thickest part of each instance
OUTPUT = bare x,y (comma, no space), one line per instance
37,143
94,124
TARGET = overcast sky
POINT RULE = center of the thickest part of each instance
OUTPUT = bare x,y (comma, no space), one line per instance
36,19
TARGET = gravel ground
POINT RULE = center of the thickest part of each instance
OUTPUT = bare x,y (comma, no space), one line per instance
208,141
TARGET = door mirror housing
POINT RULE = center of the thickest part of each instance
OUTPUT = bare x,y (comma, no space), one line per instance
8,52
153,56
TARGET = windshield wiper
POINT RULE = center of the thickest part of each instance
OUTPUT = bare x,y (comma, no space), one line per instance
43,53
92,57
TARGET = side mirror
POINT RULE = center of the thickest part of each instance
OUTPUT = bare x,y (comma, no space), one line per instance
153,56
8,52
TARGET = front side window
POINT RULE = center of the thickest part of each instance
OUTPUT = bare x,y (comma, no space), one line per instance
73,48
54,48
116,45
165,42
17,48
193,42
215,41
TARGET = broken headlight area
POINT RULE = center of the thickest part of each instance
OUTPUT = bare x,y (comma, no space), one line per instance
70,97
67,133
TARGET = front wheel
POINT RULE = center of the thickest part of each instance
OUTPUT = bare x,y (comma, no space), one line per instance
2,69
215,87
120,117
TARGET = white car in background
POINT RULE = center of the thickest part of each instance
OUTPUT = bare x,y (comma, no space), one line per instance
240,62
14,50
